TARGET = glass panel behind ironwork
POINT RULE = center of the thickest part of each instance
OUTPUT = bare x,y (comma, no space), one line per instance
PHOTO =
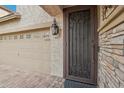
80,44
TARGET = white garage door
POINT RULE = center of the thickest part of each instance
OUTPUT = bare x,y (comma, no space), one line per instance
29,51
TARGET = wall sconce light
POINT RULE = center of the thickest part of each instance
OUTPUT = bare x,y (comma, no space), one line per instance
55,27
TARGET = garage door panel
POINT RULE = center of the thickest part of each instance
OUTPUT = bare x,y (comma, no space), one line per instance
32,54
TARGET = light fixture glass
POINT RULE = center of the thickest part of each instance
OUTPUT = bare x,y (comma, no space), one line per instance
55,27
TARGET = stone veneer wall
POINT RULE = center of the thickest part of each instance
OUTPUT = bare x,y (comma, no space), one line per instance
111,57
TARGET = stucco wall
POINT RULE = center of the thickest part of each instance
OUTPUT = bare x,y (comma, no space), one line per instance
57,49
30,14
111,53
49,58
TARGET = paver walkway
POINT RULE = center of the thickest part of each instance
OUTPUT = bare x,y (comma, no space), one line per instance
16,78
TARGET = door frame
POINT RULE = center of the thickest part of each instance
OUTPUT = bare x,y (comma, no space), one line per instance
65,43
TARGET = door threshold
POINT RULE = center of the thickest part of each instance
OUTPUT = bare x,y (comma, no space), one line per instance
74,84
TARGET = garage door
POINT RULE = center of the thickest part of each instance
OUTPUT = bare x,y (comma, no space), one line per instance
29,51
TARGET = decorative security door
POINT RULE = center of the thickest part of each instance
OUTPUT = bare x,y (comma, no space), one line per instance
80,44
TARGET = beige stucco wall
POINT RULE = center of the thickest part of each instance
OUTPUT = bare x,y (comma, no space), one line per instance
43,54
30,14
57,49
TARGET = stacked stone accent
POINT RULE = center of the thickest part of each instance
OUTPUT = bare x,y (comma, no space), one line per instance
111,58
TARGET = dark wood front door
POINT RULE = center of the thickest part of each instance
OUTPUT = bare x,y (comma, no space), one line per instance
80,44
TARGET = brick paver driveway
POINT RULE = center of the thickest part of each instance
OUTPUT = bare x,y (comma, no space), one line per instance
16,78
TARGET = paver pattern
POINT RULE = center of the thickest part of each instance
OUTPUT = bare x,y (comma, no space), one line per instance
16,78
